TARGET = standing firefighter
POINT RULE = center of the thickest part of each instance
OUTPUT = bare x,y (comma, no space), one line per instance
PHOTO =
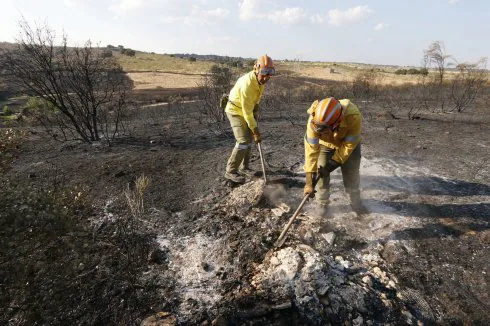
241,110
332,140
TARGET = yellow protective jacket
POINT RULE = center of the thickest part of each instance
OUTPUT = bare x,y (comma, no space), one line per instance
344,139
244,96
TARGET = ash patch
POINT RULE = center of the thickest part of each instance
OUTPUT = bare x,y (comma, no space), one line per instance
247,194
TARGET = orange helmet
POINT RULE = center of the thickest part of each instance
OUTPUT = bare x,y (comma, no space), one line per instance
327,114
264,65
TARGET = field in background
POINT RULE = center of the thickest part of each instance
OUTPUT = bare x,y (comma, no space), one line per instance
150,71
144,62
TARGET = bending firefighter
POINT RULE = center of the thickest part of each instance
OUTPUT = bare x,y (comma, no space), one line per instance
242,110
332,140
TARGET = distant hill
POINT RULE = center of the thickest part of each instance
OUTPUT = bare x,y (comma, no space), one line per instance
209,57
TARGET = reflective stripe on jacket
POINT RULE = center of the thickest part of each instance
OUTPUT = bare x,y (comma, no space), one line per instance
244,96
344,140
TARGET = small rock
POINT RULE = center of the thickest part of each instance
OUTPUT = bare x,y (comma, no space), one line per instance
339,259
329,237
274,261
377,271
277,212
367,280
358,321
323,290
391,285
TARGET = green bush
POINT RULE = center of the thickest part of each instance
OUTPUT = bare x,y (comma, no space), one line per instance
128,52
401,72
106,53
6,110
424,71
192,59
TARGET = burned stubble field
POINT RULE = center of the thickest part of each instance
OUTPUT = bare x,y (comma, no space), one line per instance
421,254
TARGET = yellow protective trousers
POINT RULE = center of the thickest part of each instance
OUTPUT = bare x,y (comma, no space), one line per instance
350,174
240,156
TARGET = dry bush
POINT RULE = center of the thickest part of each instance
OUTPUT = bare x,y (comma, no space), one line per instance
212,87
134,197
58,269
365,86
10,141
408,100
435,92
468,83
77,85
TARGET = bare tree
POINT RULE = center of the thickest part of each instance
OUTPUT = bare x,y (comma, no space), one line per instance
468,83
84,92
435,57
212,87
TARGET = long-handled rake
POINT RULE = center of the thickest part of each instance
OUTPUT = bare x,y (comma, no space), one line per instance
282,237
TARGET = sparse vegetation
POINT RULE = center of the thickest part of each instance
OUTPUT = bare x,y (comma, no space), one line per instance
212,87
10,141
85,93
412,71
78,250
468,83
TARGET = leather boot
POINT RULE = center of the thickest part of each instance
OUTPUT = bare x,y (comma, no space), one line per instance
356,202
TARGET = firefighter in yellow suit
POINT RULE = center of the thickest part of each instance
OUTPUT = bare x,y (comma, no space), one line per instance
241,110
332,140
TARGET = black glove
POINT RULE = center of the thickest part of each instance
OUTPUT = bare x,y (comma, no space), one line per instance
329,167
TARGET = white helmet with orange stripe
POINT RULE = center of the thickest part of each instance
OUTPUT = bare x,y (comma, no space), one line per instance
328,114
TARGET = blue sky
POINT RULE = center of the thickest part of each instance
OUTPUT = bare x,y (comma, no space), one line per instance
375,31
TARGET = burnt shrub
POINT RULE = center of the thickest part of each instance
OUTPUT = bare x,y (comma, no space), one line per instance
59,269
211,89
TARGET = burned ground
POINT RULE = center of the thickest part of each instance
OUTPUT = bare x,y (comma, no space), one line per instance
421,254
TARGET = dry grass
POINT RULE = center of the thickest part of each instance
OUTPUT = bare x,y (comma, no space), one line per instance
134,197
162,63
150,71
150,80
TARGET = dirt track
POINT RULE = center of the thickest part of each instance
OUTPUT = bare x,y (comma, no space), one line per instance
421,254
